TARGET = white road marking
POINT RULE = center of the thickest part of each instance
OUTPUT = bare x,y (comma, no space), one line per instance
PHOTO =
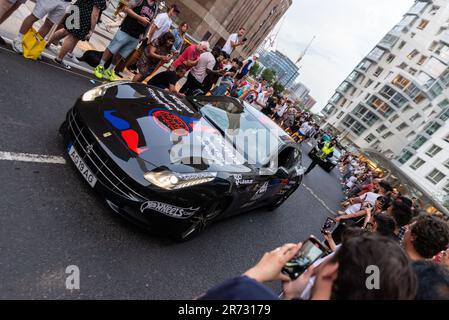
310,145
28,157
321,201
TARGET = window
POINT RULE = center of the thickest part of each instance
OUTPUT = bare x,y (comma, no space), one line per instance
381,129
340,115
422,60
423,24
433,151
355,126
412,71
402,66
364,115
443,104
401,82
405,156
370,138
394,118
390,58
419,98
446,164
413,54
432,128
402,126
417,164
415,117
435,176
387,92
433,46
419,141
368,83
407,108
401,45
380,106
444,115
353,76
376,54
387,135
378,72
411,135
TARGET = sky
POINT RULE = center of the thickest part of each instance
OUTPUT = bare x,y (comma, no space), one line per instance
345,30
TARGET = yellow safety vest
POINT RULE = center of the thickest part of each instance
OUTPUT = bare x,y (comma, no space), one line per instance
327,149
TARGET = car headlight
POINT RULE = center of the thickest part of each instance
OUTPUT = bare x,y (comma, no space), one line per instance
99,91
171,180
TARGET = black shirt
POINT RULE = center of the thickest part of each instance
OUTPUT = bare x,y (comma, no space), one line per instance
133,27
164,79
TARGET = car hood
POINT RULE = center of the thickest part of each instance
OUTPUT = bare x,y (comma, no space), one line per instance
137,122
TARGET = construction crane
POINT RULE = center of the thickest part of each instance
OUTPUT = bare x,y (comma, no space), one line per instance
305,50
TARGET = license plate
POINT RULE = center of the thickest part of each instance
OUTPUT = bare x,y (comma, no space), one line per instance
82,167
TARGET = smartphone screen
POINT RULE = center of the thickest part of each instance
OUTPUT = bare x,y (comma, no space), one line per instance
329,225
310,251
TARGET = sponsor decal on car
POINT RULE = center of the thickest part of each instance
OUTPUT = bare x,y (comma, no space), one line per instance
129,135
240,181
168,209
260,192
170,122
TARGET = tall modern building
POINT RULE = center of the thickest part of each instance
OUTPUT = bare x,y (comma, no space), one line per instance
215,20
299,92
286,70
396,100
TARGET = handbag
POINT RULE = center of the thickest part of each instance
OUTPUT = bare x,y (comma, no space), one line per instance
33,44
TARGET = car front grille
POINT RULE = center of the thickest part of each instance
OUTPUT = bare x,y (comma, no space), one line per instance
106,171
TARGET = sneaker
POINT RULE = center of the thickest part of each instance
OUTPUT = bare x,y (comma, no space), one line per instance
110,75
99,72
61,63
73,57
17,46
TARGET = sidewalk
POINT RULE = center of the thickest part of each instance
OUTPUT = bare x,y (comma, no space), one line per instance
99,40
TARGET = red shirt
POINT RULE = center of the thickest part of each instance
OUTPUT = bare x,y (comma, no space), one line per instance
191,53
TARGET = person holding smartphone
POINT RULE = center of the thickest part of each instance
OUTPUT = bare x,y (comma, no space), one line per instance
397,279
155,55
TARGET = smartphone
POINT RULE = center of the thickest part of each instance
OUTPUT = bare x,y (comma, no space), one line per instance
311,251
329,225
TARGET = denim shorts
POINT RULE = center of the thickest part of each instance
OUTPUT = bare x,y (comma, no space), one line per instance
123,44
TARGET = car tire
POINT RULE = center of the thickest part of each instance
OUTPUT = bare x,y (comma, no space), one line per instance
200,221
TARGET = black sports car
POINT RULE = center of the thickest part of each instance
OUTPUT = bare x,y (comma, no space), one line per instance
172,164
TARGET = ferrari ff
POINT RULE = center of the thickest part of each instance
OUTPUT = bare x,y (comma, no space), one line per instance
173,164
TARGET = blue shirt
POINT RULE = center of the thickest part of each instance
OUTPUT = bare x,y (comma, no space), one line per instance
240,288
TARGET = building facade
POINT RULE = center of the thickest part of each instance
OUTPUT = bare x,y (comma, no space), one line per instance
215,20
396,99
286,70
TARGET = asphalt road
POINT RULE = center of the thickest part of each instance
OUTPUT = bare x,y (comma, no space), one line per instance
50,219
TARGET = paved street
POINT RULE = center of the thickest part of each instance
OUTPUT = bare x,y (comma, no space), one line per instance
49,218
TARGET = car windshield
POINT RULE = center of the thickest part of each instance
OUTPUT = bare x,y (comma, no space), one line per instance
252,134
